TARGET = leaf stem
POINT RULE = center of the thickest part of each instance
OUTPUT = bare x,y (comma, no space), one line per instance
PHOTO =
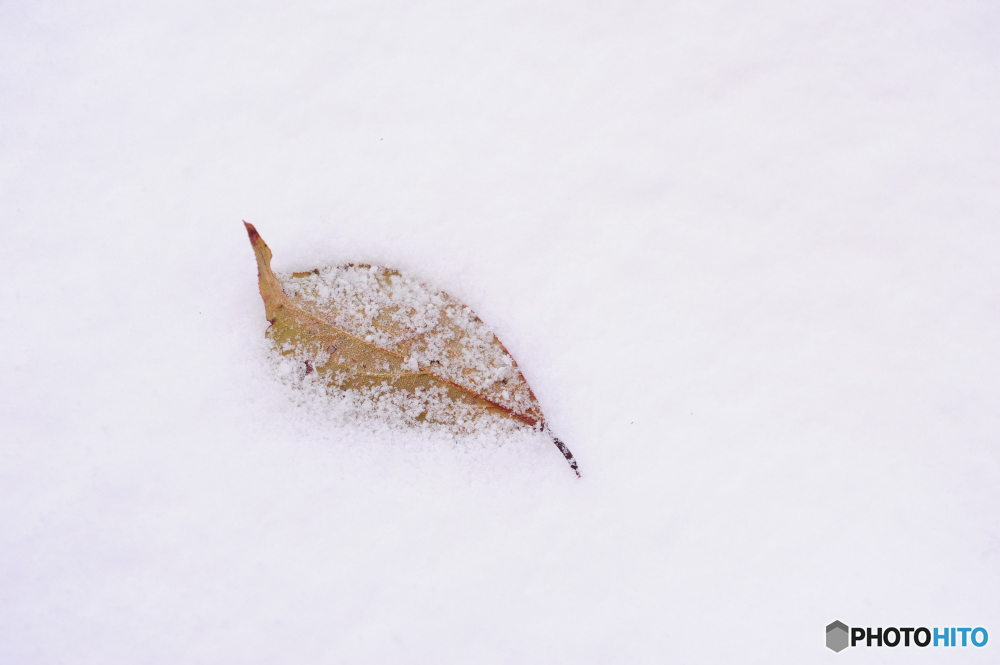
565,451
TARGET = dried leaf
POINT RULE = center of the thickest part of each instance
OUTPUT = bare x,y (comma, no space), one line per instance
373,330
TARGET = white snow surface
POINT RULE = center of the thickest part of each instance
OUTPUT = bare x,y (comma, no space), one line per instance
746,255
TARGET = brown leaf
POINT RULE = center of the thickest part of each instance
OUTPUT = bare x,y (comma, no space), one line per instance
365,328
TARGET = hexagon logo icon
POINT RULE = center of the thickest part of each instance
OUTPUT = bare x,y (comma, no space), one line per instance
836,636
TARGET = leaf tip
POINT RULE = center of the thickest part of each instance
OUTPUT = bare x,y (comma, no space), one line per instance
259,246
270,287
252,232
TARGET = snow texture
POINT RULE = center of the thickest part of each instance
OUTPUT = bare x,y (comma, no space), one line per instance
745,254
428,329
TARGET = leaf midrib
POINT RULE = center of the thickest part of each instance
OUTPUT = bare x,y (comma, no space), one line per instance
523,418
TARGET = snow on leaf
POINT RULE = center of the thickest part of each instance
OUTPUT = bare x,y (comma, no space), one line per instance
393,340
